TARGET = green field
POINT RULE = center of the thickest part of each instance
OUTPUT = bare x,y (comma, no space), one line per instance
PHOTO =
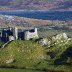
17,70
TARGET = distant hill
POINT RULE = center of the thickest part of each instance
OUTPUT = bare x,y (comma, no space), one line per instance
36,4
12,21
22,22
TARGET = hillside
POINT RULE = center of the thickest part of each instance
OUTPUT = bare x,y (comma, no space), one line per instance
35,4
30,55
22,53
12,21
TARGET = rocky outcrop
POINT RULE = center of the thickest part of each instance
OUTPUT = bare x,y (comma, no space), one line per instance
9,61
57,39
60,36
44,42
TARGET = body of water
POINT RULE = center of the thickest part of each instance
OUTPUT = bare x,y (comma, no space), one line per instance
45,15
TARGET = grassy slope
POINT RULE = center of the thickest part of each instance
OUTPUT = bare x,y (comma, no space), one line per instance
19,50
63,57
25,53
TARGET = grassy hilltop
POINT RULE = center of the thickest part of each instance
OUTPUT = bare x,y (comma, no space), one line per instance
30,56
24,53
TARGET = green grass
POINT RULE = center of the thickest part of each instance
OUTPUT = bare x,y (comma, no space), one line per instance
17,70
28,54
25,53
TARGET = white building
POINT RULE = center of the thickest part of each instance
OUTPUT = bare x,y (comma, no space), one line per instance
31,35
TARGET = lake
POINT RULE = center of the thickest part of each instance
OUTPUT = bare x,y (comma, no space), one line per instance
44,15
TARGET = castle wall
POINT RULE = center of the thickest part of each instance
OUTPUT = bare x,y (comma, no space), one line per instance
15,33
29,35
